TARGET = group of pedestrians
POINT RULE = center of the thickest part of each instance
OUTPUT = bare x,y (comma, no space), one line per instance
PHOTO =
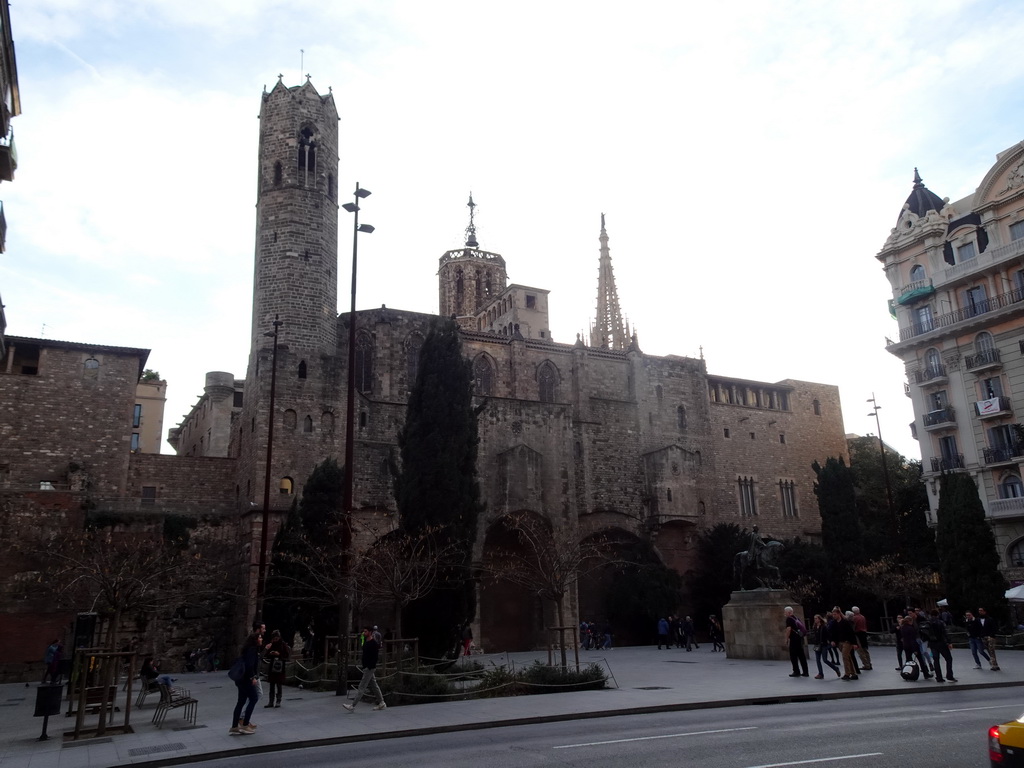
276,652
677,631
594,636
835,635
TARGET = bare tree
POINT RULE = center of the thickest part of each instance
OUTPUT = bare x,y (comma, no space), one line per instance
548,561
400,567
888,579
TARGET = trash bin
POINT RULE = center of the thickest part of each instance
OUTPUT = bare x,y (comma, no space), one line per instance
48,700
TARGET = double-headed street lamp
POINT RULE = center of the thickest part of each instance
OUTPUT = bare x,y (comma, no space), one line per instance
350,407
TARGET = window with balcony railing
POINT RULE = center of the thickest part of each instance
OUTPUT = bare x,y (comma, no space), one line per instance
982,359
941,416
946,463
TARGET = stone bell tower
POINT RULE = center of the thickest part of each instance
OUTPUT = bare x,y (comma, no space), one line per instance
296,270
469,279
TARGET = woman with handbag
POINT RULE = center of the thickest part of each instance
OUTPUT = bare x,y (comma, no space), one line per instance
246,680
277,654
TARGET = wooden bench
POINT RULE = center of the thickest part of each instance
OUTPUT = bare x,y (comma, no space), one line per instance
175,699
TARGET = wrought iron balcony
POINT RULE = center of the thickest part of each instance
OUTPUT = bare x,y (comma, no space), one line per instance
1003,454
987,359
952,318
943,417
930,375
915,291
946,463
994,406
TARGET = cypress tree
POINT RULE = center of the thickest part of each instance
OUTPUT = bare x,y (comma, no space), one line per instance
437,486
968,560
841,531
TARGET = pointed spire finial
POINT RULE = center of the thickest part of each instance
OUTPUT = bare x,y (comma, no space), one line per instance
918,182
471,241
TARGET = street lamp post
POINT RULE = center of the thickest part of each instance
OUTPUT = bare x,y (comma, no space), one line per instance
350,408
885,467
261,577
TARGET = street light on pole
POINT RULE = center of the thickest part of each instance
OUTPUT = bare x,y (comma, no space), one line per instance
350,408
261,577
885,467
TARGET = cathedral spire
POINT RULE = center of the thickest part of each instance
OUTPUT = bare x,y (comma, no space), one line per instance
608,330
471,241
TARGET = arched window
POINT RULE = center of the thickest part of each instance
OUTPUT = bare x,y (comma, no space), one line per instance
327,422
933,363
289,419
681,418
1016,553
412,356
1011,487
307,424
302,369
483,376
364,363
916,273
983,343
547,382
307,152
286,486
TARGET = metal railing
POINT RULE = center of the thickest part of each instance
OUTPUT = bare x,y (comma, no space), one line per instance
1002,454
946,463
952,318
993,406
942,416
987,357
930,373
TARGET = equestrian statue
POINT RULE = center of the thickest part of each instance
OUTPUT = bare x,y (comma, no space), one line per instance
760,560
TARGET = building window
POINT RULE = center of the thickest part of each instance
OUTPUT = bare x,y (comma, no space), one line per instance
681,417
307,152
278,174
302,369
531,301
748,497
950,456
137,415
924,319
787,492
330,186
547,382
483,376
965,252
726,431
991,388
286,486
307,424
974,301
327,422
363,419
782,438
668,494
135,442
817,407
1016,554
753,436
237,401
149,494
1016,230
290,419
364,363
933,363
916,273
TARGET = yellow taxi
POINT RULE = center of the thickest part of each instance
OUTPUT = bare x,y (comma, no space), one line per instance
1006,744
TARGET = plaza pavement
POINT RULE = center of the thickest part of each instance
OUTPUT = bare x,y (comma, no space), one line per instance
642,679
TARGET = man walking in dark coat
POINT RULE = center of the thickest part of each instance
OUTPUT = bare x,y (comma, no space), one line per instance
371,651
795,642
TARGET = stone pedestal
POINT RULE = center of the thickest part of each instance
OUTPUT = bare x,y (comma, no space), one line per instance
755,624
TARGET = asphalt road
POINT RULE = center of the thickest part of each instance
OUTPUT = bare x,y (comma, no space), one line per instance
933,731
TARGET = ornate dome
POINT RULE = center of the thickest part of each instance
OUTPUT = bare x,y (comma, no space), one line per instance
922,199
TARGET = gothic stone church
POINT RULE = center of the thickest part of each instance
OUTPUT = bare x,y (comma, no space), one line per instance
598,437
595,436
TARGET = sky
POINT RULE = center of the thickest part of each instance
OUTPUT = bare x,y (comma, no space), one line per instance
750,158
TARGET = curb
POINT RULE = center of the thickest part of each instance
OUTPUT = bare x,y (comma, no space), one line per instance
459,727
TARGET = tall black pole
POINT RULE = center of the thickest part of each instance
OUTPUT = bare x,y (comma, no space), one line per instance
885,465
261,577
350,404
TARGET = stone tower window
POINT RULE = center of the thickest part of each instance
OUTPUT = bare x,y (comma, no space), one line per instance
307,153
330,186
278,174
817,407
327,422
289,419
302,369
747,497
681,418
90,368
307,424
547,382
364,363
286,486
483,376
460,287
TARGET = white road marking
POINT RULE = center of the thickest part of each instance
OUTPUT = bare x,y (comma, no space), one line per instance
651,738
818,760
970,709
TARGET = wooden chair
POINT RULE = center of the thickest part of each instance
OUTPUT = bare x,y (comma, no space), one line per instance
175,699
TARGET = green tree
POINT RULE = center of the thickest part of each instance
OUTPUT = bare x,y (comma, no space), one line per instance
711,583
968,560
917,539
642,589
841,533
436,487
